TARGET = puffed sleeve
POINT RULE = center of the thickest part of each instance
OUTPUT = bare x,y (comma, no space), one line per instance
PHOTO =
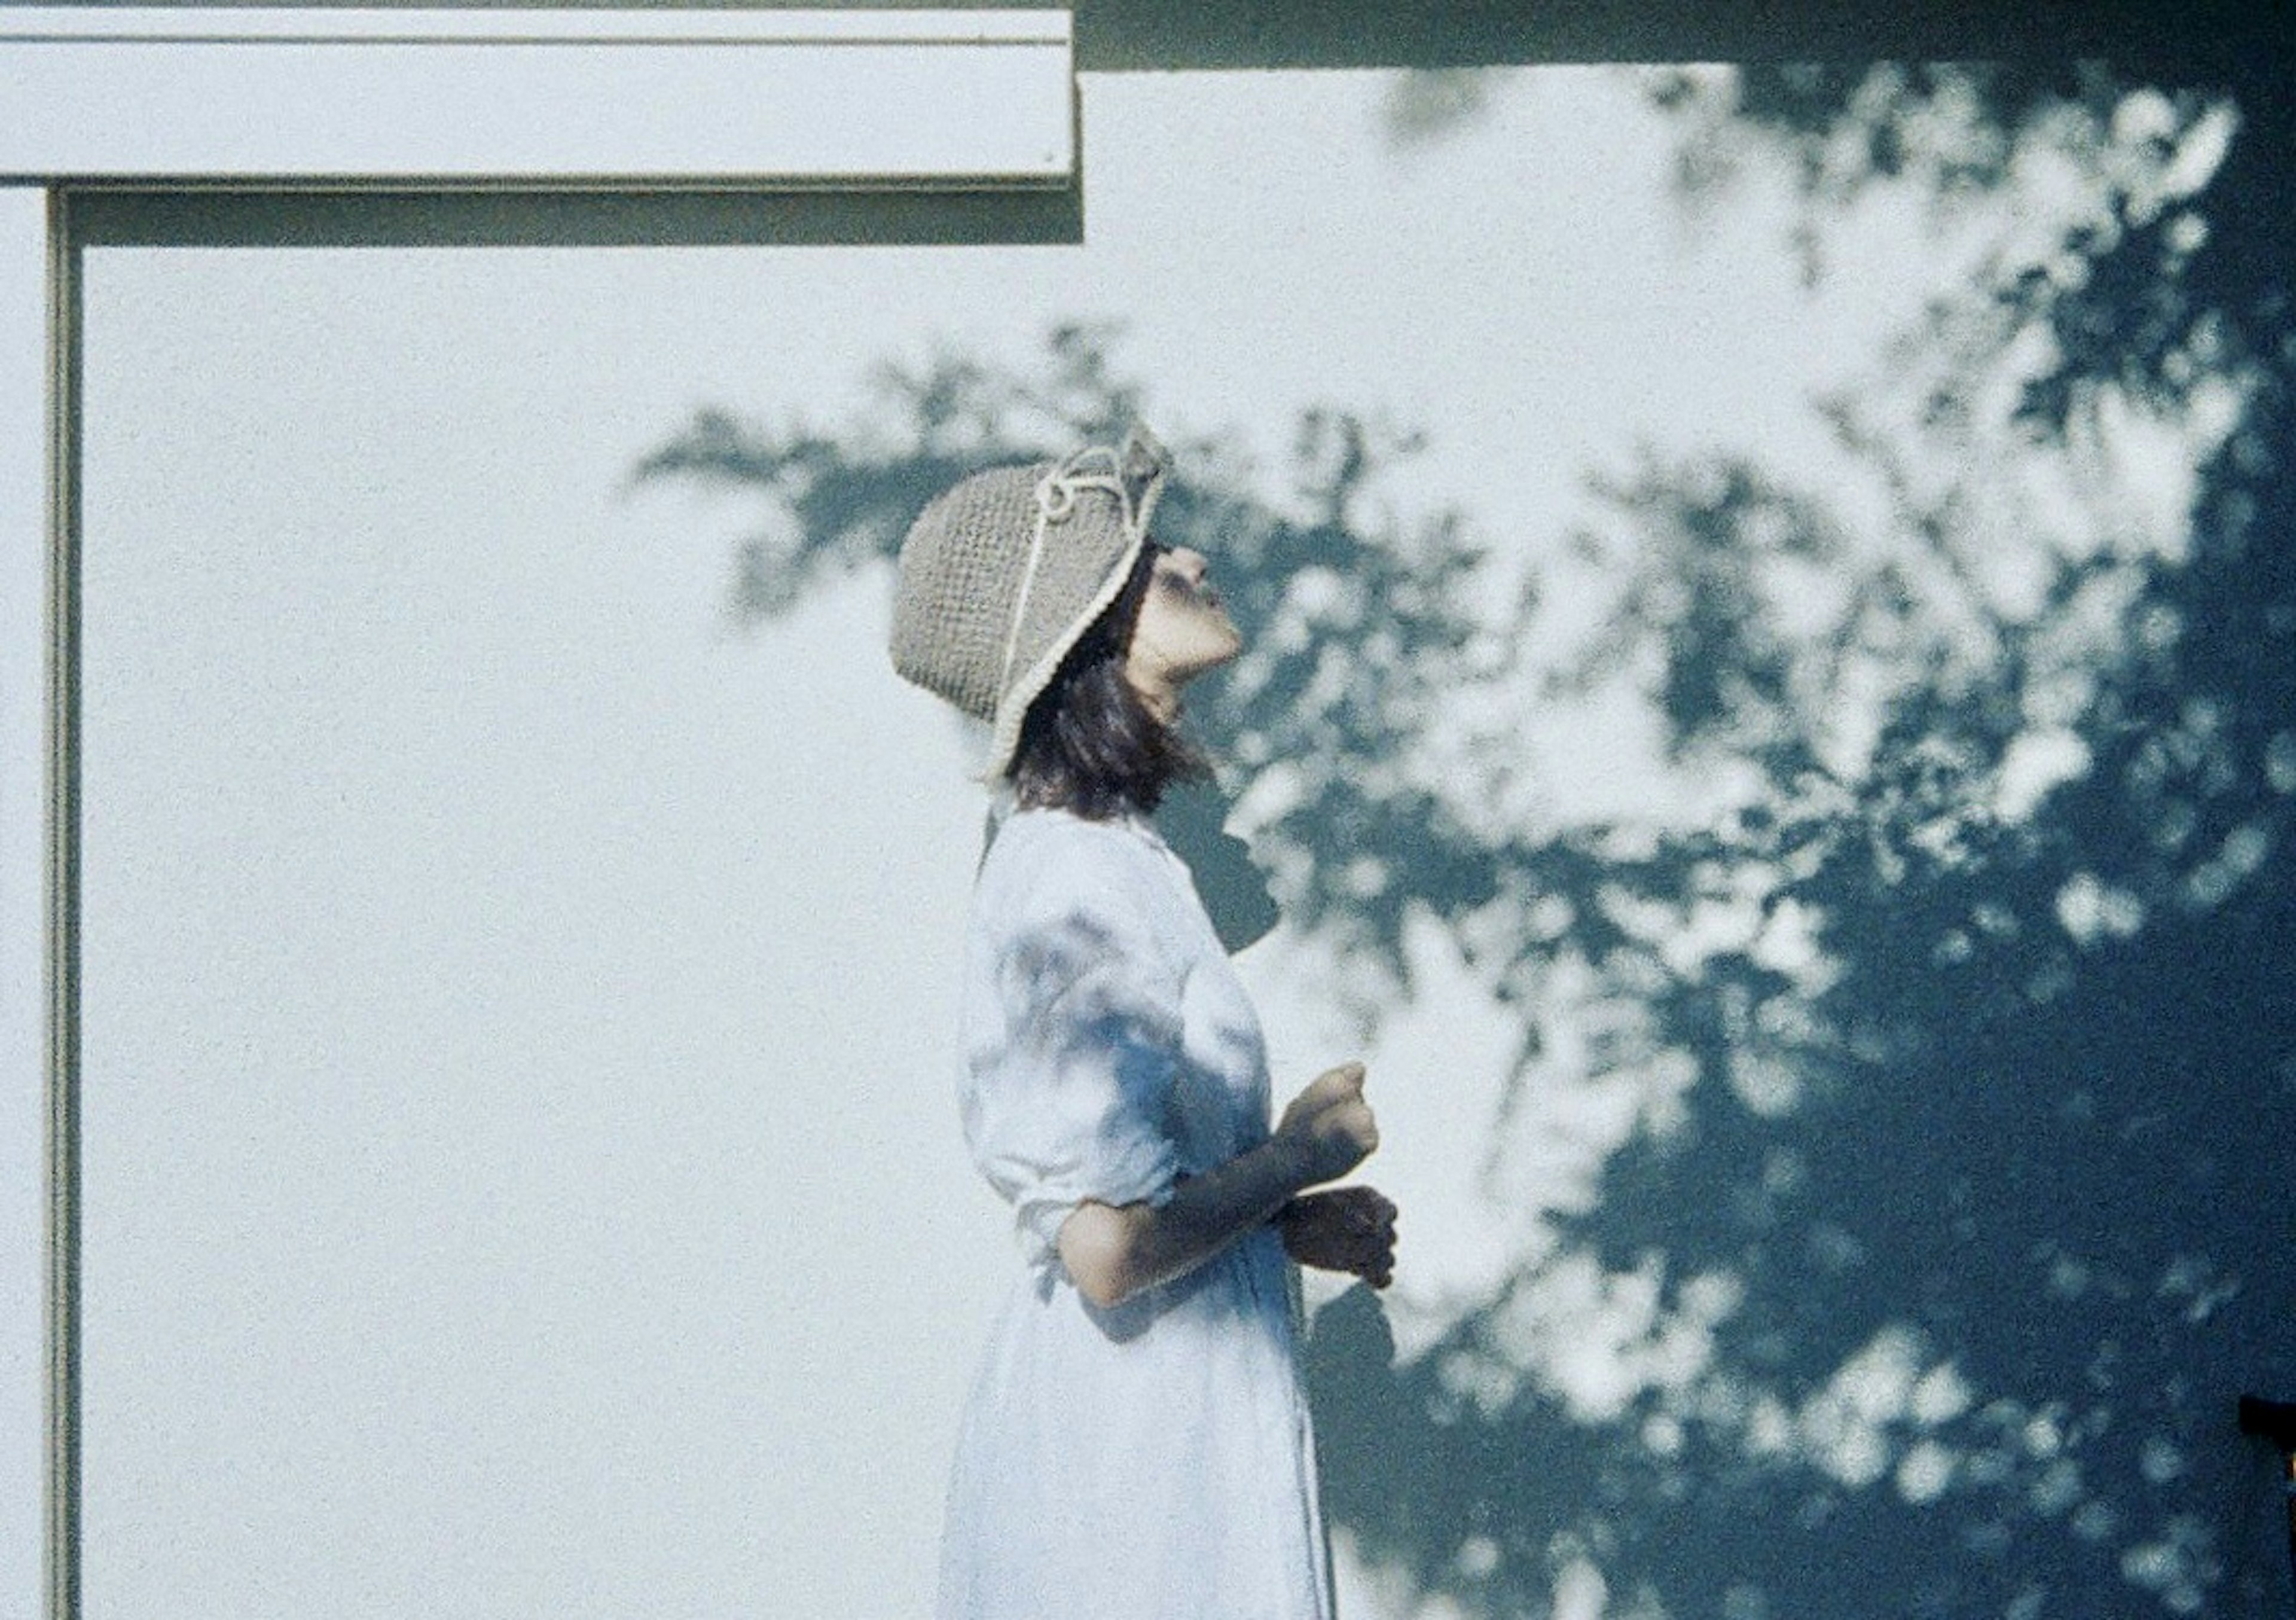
1076,1030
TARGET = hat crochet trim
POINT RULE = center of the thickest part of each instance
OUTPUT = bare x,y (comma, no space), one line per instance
1095,467
1056,497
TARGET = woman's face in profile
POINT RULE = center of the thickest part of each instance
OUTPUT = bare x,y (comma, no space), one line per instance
1183,628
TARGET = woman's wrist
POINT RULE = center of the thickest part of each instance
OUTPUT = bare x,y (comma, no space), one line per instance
1293,1165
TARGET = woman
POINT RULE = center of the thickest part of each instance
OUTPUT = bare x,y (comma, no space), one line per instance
1137,1443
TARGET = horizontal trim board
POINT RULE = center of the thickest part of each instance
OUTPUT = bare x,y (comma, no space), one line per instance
505,216
209,24
664,109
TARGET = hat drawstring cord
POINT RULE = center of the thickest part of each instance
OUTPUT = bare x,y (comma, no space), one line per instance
1056,497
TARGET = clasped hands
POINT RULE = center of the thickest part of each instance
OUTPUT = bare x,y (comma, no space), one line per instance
1343,1229
1350,1230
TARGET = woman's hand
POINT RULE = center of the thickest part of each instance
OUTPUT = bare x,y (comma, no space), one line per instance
1330,1125
1344,1229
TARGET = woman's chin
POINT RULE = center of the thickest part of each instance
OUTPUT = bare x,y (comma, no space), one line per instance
1213,660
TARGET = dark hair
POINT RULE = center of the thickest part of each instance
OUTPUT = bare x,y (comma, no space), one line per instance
1089,744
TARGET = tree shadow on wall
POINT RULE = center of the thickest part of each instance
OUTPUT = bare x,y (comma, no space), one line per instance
1948,1059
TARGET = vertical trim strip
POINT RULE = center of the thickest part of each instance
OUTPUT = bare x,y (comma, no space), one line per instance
63,895
24,552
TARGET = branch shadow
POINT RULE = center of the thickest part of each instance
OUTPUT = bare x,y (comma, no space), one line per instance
1933,1103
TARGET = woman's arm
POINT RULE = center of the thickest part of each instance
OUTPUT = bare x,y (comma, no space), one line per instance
1113,1252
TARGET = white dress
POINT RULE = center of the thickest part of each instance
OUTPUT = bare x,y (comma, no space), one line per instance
1152,1461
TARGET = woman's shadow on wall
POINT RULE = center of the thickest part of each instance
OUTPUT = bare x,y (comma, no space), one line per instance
1350,1358
1192,820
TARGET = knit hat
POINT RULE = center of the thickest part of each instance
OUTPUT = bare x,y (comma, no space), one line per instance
1003,573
